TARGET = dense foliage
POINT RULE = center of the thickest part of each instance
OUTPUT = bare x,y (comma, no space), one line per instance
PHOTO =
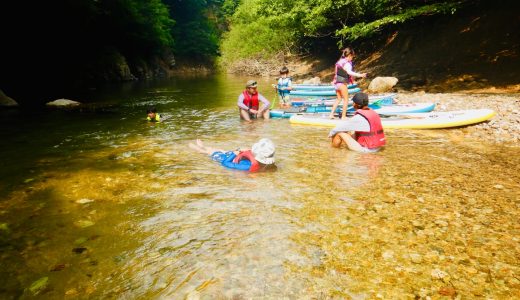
264,27
70,41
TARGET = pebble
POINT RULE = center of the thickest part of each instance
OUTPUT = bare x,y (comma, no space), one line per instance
416,258
84,201
438,274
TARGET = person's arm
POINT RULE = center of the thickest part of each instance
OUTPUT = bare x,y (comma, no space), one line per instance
243,165
266,103
240,102
356,123
348,67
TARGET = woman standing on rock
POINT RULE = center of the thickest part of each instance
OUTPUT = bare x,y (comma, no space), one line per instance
343,74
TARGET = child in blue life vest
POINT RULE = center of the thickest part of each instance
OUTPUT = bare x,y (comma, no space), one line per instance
259,158
283,87
152,115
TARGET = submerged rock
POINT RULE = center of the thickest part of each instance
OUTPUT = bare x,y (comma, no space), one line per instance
6,100
63,103
39,285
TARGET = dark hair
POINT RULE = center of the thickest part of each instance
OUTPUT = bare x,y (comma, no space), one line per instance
361,99
284,70
151,109
346,52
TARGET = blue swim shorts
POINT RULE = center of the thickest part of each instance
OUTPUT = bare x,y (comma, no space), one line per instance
220,156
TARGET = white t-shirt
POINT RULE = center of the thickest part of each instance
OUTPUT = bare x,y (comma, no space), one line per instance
355,123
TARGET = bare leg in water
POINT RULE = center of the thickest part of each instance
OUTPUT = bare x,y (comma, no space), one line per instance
351,143
199,146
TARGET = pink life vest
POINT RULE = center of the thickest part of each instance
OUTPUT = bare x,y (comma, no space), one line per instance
374,138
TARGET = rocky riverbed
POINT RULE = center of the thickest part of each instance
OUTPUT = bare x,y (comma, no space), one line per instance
504,127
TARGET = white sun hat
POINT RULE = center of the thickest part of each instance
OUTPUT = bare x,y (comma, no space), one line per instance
263,150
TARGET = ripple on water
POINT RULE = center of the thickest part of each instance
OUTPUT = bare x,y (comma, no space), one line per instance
165,222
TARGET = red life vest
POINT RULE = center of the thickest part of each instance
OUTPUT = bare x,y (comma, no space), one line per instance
251,101
374,138
255,165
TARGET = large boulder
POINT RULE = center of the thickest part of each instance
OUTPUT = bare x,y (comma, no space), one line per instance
314,80
63,103
6,100
382,84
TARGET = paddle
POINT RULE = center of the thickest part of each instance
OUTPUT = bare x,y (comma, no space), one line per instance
275,97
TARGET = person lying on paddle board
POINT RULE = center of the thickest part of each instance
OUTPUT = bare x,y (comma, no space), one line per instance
343,76
249,103
152,115
363,132
259,158
283,87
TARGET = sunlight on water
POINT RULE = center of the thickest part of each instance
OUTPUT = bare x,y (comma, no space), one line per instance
109,206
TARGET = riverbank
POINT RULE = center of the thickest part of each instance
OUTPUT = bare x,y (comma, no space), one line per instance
503,128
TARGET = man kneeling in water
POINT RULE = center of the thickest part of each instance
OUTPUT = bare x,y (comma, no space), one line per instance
368,135
259,158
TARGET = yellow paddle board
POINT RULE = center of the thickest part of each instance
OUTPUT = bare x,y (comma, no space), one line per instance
431,120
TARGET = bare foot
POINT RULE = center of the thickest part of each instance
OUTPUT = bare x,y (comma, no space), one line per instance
199,143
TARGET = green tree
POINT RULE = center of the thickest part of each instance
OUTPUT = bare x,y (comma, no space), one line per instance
281,25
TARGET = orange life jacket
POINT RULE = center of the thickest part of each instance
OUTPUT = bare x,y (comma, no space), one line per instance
255,165
374,138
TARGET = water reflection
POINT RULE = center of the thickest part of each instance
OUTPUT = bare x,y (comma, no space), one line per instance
113,207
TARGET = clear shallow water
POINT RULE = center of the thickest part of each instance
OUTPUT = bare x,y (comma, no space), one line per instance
105,205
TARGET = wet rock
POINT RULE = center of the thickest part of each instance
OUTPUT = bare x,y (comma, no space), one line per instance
4,227
447,291
84,201
441,223
80,240
58,267
39,285
84,223
416,258
79,250
6,100
63,103
71,292
438,274
388,255
418,225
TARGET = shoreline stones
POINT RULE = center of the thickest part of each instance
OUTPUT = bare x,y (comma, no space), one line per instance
504,127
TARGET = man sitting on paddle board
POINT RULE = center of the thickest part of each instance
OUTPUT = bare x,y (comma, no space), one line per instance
363,132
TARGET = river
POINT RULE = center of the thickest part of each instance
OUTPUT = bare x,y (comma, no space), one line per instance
105,205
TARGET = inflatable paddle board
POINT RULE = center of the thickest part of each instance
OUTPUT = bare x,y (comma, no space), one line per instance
381,99
382,110
320,93
431,120
316,87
